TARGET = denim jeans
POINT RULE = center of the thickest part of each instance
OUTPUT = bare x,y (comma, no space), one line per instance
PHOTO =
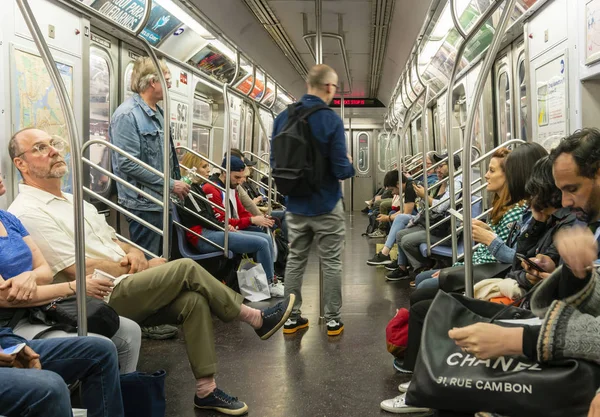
241,242
92,360
145,237
399,223
280,214
425,280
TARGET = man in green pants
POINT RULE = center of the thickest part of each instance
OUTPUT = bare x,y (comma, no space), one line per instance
149,292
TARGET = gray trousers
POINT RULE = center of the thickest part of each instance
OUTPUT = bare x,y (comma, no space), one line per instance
409,240
330,231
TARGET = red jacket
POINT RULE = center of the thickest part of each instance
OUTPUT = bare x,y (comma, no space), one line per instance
216,196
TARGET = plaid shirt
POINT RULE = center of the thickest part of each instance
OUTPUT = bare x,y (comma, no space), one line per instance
502,229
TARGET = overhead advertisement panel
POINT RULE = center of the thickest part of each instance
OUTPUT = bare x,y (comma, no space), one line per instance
128,14
160,25
214,63
246,85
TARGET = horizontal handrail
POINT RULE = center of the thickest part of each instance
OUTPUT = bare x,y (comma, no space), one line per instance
490,153
445,219
200,236
122,210
122,181
146,251
456,193
257,157
260,184
208,180
459,230
204,158
177,204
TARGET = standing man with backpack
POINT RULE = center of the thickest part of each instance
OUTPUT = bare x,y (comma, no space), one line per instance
309,158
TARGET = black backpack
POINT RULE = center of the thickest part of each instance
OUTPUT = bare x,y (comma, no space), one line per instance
299,164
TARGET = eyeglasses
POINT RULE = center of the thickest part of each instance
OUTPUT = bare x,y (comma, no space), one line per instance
43,149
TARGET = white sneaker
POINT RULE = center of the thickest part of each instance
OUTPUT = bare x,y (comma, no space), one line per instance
404,387
276,290
398,406
377,234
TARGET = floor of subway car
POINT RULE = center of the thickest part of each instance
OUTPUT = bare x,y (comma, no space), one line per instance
308,374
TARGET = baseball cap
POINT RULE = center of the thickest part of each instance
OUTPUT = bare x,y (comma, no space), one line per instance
237,164
438,157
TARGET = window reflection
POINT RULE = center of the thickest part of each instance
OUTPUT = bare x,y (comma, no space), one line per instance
363,153
504,107
99,119
522,99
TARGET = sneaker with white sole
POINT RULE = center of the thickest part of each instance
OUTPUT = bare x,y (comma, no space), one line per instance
334,327
277,290
404,387
398,405
379,259
377,234
399,366
221,402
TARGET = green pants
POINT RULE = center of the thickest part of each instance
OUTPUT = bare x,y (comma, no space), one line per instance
180,292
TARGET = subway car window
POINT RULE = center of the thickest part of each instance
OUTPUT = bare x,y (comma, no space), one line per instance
523,99
363,152
100,78
504,107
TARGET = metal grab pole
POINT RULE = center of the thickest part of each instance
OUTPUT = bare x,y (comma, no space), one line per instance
166,150
425,122
319,32
459,53
226,135
481,79
76,166
269,176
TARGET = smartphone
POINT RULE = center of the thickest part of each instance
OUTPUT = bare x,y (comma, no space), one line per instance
529,262
13,350
455,214
102,274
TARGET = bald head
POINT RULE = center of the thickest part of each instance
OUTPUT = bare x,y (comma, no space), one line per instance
322,82
14,146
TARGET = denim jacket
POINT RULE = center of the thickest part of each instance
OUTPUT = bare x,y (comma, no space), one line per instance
135,129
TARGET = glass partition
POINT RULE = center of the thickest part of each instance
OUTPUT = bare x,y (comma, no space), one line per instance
100,79
504,105
382,146
522,99
363,152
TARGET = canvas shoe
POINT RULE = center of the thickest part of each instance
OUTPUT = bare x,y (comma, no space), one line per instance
377,234
379,259
334,328
221,402
274,317
162,332
398,405
293,325
404,387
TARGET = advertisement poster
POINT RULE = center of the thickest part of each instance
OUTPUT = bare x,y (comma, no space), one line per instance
551,101
125,13
215,64
160,25
179,123
246,84
592,31
235,116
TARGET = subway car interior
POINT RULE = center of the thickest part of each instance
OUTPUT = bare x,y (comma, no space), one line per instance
419,84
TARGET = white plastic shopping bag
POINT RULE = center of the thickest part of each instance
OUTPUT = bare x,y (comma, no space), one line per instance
252,280
78,412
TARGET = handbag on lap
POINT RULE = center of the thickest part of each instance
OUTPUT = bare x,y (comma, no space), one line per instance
446,378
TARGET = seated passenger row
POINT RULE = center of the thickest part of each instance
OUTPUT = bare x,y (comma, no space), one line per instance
559,240
39,267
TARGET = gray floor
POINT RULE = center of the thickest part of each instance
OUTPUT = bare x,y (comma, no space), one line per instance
308,374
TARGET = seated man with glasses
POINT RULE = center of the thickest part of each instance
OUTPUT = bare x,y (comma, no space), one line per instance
148,292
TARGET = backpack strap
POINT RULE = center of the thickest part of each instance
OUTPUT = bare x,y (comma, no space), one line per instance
307,111
59,326
16,318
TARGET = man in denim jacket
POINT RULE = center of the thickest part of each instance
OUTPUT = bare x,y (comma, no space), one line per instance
137,127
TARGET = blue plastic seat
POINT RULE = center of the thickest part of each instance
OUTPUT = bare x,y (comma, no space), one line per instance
187,250
446,250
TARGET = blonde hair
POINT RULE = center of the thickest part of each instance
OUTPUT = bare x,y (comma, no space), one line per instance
320,75
144,72
190,161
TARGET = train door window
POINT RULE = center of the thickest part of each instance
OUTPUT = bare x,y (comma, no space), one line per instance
100,81
249,117
522,100
382,145
201,122
363,152
127,80
504,106
419,138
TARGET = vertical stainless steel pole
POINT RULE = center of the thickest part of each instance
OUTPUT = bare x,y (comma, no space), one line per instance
166,150
76,166
480,83
319,37
227,137
425,124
